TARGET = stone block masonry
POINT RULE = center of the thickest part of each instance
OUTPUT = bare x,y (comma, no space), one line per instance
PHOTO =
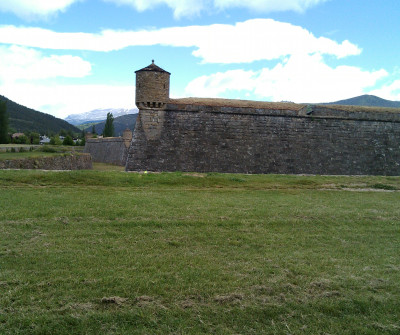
299,140
57,162
111,150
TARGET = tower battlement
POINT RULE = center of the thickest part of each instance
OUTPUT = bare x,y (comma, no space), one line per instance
152,87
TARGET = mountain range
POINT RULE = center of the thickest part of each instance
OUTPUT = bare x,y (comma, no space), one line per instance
24,119
98,115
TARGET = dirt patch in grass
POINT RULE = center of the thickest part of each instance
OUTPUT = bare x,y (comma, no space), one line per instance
82,306
229,298
195,174
113,300
367,190
148,301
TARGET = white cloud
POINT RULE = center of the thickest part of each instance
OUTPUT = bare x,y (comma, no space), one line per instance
195,7
244,42
263,39
300,78
62,100
212,86
34,9
390,91
269,5
180,7
28,64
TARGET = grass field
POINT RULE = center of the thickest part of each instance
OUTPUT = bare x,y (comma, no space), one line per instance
109,252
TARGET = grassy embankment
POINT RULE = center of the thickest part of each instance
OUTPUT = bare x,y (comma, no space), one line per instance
18,151
103,252
21,151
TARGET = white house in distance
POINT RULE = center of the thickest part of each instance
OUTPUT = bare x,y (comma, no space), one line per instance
44,140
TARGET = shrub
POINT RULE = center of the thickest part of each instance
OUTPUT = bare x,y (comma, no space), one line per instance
21,140
384,187
55,140
68,140
48,149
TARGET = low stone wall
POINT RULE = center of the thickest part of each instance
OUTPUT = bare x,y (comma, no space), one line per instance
59,162
112,150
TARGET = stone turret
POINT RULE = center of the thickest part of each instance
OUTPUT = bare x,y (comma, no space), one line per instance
152,87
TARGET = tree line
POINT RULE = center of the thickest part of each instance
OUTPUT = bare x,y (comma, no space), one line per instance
32,137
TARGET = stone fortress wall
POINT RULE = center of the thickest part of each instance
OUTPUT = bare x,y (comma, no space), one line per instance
111,150
217,135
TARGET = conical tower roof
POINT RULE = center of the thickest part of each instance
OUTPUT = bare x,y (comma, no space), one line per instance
152,67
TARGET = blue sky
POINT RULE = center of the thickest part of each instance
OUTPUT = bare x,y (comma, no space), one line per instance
71,56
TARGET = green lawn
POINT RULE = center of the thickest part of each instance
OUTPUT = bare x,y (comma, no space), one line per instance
109,252
107,167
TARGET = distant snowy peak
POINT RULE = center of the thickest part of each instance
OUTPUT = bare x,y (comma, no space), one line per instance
98,115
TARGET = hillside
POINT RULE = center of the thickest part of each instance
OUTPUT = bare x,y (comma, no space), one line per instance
26,119
367,100
120,124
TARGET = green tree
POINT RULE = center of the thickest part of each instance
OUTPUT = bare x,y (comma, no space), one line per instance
82,142
93,130
34,137
70,133
109,126
55,140
3,123
21,140
68,140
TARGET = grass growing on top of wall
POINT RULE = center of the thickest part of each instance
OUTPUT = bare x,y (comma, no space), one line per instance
22,152
87,252
26,154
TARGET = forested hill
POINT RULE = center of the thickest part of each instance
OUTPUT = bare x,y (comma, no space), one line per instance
26,119
367,100
120,124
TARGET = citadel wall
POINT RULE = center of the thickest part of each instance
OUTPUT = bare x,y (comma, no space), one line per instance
217,135
111,150
309,140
